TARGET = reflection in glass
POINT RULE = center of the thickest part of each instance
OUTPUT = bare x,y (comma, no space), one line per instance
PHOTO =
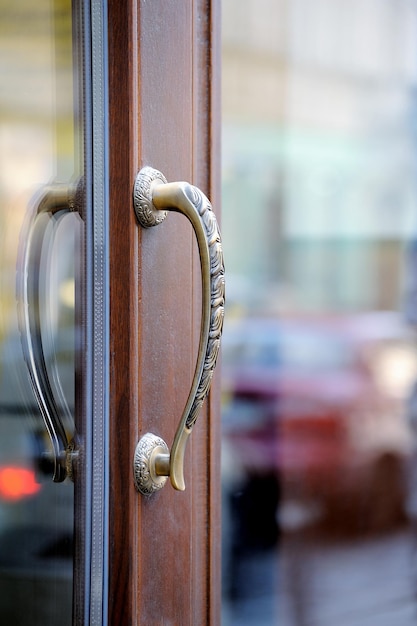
320,364
38,144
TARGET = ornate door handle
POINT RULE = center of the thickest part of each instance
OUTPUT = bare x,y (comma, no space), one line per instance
153,197
54,201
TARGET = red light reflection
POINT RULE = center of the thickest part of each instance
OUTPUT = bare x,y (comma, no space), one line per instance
17,483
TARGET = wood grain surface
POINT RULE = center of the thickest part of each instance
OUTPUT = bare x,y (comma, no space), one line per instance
164,112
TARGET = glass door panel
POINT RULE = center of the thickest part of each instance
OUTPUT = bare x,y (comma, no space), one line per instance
320,361
40,154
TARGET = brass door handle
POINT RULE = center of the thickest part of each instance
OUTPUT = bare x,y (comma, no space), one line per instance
54,201
153,197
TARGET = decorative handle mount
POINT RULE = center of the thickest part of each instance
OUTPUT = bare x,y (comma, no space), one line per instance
153,197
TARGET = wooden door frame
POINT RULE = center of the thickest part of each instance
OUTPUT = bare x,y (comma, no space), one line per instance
144,563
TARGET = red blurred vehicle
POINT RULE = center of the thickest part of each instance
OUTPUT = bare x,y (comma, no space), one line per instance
320,403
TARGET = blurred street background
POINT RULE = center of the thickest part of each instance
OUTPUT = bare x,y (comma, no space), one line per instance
319,377
322,582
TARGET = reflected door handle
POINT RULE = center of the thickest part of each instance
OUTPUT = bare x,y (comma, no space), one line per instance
153,197
55,201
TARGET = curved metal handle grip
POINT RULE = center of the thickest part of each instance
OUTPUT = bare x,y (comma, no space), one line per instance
153,197
55,200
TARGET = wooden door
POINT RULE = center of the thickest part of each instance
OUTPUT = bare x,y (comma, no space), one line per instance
102,345
163,112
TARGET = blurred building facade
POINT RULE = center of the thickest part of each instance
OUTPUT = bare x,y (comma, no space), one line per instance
319,151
